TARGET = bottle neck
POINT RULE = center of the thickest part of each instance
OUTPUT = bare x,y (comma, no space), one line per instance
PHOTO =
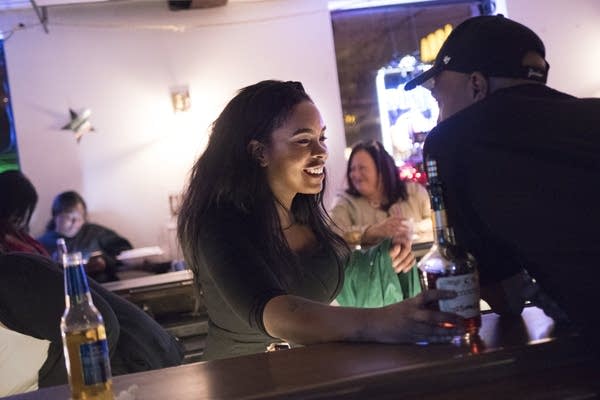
61,250
77,290
443,233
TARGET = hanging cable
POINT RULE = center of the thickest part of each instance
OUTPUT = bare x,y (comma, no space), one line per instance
5,35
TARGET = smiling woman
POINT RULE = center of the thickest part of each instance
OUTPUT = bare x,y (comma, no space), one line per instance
295,159
254,231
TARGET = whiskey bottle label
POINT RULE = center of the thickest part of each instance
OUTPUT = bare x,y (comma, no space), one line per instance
95,362
466,303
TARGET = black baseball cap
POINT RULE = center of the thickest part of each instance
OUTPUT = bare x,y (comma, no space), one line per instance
491,44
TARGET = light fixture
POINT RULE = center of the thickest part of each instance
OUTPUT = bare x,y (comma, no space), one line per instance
180,97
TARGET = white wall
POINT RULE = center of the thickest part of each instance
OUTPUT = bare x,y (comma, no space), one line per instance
120,60
571,32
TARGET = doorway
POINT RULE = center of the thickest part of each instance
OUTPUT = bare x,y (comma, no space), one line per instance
377,40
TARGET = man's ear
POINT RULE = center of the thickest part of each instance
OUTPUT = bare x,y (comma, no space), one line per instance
479,86
257,150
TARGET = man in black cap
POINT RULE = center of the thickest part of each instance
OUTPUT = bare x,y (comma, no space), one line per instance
521,167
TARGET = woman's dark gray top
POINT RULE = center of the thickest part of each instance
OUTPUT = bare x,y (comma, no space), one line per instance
237,281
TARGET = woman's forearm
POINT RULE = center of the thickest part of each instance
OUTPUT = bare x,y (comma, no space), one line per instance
301,321
371,236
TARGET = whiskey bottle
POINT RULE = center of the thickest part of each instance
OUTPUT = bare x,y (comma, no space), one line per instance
84,336
447,265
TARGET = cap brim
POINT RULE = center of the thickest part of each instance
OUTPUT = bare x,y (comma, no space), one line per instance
420,79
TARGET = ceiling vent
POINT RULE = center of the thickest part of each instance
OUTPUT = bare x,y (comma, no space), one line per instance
177,5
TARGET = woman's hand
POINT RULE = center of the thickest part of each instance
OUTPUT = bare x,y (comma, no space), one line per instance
393,226
411,321
402,257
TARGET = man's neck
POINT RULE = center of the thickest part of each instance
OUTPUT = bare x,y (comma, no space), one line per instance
496,83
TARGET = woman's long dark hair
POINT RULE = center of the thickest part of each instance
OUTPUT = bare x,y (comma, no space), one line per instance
17,202
227,175
394,188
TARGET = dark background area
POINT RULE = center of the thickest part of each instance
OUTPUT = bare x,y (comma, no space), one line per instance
369,39
8,145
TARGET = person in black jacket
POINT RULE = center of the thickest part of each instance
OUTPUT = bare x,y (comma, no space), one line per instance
98,244
521,164
32,302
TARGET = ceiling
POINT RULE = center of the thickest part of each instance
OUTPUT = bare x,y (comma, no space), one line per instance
16,4
356,4
333,4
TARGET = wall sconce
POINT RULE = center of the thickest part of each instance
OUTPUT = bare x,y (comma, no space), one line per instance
180,98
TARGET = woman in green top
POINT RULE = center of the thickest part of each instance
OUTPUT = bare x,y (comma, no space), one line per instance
254,230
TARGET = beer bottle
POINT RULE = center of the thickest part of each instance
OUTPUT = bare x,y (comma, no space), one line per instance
61,249
84,336
447,265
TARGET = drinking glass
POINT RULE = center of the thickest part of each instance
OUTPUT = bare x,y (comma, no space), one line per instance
353,237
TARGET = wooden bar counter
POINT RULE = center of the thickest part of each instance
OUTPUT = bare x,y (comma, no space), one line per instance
523,358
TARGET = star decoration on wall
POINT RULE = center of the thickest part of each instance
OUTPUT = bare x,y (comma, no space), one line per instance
79,123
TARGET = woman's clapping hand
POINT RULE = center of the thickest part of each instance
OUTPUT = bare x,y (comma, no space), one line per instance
393,226
402,256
